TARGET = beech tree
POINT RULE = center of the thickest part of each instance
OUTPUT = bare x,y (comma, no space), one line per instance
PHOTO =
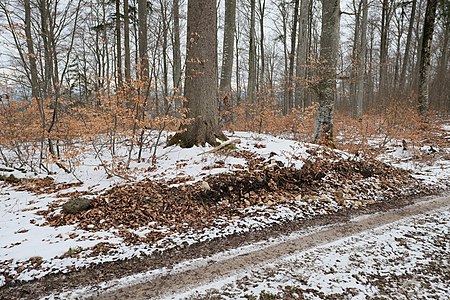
425,54
228,50
326,87
200,88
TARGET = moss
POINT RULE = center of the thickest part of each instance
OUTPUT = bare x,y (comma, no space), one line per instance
10,179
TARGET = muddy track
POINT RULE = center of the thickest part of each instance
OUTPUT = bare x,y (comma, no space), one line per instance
338,225
189,277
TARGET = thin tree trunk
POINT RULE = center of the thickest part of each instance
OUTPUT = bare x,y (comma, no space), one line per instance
126,37
428,29
228,53
118,47
142,38
406,55
290,84
355,58
360,90
176,47
251,86
384,48
165,32
262,77
302,52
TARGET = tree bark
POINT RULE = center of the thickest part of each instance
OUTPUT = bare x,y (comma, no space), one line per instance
384,47
428,29
228,52
251,85
143,52
290,84
408,46
262,71
302,54
201,80
176,46
126,40
361,71
326,89
118,46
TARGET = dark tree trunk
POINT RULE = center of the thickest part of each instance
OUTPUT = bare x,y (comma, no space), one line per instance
408,46
176,45
118,46
143,51
302,54
384,47
290,85
251,86
228,54
126,40
425,54
201,80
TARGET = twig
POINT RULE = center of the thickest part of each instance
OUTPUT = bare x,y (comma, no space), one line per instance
221,146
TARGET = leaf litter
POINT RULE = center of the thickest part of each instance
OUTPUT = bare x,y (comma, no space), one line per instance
269,181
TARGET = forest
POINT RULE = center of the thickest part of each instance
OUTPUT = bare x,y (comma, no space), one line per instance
303,144
74,69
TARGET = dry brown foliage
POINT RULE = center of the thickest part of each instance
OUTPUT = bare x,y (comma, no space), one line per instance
267,119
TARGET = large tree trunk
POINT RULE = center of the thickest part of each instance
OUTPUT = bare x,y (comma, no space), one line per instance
228,52
329,46
425,54
201,80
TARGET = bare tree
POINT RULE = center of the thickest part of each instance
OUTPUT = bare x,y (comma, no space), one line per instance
289,103
126,40
302,54
143,43
326,87
176,45
361,60
252,63
428,29
406,56
201,80
118,45
228,50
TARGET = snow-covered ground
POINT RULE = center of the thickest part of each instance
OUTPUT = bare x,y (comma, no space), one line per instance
408,259
30,249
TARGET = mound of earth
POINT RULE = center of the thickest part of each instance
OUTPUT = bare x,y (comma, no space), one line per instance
325,178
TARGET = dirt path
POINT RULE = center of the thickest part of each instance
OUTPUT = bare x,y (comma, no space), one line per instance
211,270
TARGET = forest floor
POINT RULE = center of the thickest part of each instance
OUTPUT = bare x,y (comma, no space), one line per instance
196,203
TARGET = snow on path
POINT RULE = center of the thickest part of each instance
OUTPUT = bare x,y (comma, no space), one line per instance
249,264
408,259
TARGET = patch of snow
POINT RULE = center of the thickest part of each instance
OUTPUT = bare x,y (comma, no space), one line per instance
25,237
353,265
